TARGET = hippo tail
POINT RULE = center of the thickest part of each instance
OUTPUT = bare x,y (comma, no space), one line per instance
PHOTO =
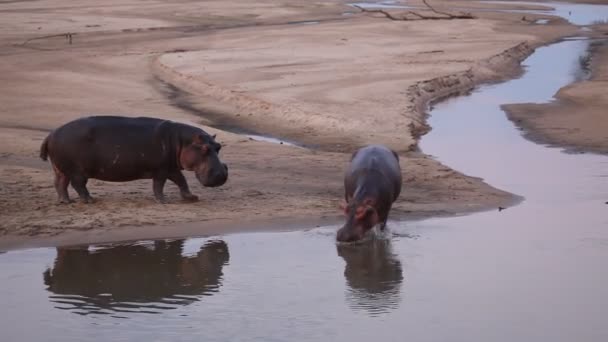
44,148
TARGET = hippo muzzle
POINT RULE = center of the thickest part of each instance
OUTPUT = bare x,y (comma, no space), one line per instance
350,233
214,177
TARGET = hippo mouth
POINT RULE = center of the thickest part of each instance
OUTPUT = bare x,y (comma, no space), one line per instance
213,184
349,235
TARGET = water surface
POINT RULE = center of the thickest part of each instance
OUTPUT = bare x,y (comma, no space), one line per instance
577,14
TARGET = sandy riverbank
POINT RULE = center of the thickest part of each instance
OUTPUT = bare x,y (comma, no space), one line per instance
577,121
344,82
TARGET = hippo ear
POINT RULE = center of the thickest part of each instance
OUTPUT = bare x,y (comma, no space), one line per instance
365,212
213,136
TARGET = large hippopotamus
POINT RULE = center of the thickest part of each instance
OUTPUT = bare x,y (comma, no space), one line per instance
120,149
372,183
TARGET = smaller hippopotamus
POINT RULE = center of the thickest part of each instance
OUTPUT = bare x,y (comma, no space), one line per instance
121,149
372,183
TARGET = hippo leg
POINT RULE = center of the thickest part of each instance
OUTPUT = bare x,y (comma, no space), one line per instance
158,185
79,183
383,222
61,186
178,178
382,225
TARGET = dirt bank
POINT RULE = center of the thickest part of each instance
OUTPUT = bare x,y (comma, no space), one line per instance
347,81
577,120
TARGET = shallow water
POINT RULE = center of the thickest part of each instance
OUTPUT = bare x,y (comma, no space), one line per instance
270,140
381,4
577,14
303,22
533,272
542,261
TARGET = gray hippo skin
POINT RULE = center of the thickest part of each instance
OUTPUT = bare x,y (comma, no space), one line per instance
372,183
122,149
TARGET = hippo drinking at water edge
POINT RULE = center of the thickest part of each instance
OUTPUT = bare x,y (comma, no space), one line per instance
371,184
121,149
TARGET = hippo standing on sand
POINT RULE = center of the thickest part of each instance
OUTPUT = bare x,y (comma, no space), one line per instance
121,149
372,183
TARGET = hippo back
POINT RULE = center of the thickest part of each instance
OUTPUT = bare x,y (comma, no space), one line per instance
377,158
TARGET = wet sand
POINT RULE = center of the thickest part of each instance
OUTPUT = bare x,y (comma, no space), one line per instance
342,83
577,120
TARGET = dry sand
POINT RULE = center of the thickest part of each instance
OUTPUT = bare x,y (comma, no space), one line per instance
339,84
578,120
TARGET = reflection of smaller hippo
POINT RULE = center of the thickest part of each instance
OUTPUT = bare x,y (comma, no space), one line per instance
121,149
371,184
128,277
373,274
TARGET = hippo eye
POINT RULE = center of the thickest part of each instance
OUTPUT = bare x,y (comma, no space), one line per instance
201,148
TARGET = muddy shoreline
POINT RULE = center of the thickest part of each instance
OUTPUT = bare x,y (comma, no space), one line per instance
270,183
200,229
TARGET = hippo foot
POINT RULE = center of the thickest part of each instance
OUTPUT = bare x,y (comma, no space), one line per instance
161,200
189,198
87,200
64,201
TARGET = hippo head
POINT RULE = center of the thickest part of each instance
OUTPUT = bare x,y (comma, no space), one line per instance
202,157
360,218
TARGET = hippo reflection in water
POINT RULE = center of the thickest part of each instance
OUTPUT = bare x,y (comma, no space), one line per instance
135,278
373,274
